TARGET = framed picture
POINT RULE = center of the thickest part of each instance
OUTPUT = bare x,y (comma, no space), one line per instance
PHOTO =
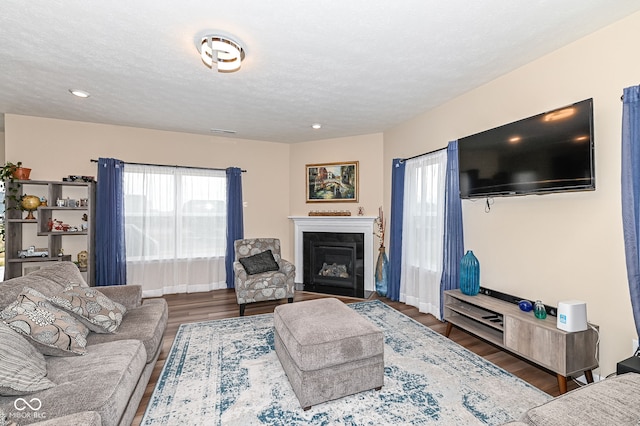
332,182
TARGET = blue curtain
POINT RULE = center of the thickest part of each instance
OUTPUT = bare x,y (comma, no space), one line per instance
235,222
395,228
111,258
453,233
631,193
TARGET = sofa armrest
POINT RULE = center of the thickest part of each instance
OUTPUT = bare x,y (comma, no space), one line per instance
287,267
128,295
239,271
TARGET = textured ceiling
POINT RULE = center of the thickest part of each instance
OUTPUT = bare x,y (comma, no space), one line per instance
356,66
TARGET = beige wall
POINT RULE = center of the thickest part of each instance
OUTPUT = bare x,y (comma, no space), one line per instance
558,246
366,149
57,148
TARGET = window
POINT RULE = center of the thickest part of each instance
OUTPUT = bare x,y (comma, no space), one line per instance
174,216
423,225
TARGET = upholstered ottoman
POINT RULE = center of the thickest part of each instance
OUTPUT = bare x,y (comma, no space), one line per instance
327,350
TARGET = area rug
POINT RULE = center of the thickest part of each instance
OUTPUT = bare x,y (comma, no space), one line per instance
226,372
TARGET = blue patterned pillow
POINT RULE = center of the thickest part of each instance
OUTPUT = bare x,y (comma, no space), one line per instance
259,263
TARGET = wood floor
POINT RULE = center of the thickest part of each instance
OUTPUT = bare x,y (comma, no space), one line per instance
218,304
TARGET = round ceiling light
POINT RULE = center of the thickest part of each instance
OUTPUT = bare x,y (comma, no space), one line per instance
224,54
79,93
316,126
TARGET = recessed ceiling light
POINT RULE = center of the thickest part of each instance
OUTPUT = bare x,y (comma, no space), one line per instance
79,93
316,126
225,131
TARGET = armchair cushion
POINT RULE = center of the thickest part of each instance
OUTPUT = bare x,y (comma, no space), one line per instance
259,263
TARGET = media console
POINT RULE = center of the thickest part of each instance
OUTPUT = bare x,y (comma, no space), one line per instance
539,341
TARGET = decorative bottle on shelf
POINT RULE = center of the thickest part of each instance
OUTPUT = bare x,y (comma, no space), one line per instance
469,274
539,310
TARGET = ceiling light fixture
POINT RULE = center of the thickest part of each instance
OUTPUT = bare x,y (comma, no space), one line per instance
221,52
316,126
79,93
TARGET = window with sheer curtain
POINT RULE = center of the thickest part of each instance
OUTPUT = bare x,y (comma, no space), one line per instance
422,245
175,228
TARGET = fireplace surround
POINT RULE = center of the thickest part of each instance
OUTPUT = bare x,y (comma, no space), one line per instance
338,225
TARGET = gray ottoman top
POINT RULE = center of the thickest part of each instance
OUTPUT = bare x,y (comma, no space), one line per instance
322,333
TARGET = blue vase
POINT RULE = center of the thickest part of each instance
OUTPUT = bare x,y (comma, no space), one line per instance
382,272
469,274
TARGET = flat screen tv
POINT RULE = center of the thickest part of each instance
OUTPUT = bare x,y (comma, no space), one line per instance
549,152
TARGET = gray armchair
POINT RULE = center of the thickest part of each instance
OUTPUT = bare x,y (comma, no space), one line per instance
270,285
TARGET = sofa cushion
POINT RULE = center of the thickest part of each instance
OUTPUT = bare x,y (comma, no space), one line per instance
11,289
92,308
129,296
259,263
63,273
145,323
103,380
611,401
53,331
23,369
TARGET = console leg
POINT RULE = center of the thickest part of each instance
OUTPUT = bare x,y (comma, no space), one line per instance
447,332
589,376
562,383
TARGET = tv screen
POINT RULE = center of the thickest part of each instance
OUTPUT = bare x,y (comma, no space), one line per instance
549,152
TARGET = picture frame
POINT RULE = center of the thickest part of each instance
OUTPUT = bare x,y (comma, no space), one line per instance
332,182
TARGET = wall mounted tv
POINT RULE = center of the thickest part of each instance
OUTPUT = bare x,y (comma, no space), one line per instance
549,152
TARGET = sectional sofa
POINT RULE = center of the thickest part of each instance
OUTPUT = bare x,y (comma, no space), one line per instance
98,379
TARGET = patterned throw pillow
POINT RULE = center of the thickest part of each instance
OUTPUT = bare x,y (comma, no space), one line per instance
53,331
95,310
23,369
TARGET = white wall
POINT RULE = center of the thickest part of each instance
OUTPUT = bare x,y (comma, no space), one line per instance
557,246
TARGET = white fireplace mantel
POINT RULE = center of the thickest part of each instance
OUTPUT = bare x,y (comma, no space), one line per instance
347,224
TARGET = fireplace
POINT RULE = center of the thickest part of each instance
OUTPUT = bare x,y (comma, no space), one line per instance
341,230
334,263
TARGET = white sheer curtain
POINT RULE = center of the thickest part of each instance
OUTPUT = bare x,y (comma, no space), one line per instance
422,239
175,228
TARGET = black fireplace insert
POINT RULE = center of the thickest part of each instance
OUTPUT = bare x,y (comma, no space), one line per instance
334,263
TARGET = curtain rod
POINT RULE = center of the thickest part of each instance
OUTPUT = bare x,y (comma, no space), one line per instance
170,165
426,153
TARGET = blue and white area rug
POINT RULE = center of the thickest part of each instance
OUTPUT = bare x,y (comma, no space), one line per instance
226,372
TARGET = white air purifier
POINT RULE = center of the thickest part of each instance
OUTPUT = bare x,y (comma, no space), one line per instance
572,315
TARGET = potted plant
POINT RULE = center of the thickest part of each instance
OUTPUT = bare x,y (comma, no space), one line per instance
8,174
11,171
